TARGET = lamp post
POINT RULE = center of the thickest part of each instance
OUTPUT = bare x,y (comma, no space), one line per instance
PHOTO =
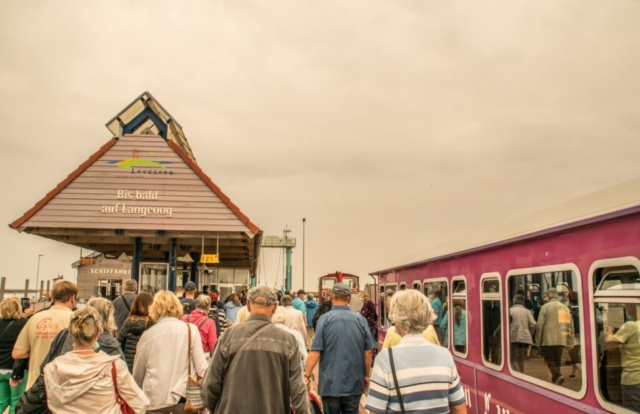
38,277
303,221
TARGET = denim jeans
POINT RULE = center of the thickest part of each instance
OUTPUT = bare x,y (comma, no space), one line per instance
9,395
341,405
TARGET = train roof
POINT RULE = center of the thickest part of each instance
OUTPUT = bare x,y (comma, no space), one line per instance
613,202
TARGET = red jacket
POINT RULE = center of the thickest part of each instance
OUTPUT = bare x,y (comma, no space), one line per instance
206,326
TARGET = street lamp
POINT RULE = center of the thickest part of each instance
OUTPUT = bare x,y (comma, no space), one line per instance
37,278
303,221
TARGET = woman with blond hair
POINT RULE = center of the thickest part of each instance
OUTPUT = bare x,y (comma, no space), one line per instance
12,373
415,375
163,356
107,341
232,306
83,381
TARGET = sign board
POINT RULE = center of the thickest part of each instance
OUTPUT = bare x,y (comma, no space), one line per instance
210,258
277,241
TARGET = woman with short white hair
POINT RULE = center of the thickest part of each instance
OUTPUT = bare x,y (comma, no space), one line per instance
278,320
420,367
206,326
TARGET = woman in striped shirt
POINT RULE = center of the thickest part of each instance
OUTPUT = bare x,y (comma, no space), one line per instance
427,378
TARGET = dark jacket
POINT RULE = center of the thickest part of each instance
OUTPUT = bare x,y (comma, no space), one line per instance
9,331
122,308
324,308
268,372
34,400
129,336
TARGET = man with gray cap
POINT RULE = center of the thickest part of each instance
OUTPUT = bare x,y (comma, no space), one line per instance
554,333
256,366
343,346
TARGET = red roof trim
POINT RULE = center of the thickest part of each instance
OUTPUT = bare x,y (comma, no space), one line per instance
64,183
226,200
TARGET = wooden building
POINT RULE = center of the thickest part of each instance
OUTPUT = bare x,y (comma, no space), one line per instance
143,195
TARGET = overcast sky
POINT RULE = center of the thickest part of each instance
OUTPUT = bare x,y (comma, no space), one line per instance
392,126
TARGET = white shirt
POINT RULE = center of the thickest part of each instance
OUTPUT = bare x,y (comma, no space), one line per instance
301,344
160,365
295,319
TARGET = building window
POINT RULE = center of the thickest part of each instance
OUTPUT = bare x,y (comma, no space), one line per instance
456,317
491,320
545,342
438,294
617,334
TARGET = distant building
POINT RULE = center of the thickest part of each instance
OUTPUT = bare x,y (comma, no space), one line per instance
102,275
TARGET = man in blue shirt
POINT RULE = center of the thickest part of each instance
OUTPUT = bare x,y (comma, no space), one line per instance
343,346
298,303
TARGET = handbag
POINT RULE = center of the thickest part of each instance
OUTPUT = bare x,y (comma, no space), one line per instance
124,407
395,381
194,401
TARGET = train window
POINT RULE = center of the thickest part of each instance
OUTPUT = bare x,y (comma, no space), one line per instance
416,286
403,286
352,282
491,320
457,318
544,335
438,293
328,282
617,334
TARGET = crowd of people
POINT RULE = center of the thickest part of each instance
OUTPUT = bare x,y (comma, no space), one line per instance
256,352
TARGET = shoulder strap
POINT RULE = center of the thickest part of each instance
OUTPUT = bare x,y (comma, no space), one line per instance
125,302
395,380
113,376
189,351
204,320
5,329
246,343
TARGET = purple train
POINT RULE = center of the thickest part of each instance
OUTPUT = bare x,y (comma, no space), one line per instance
584,254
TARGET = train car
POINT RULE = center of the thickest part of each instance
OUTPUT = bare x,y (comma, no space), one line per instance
326,282
588,250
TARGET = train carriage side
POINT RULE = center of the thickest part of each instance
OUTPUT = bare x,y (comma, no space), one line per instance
593,267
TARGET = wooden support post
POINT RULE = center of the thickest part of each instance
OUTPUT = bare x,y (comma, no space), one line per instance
194,267
26,288
137,259
41,292
3,283
48,291
172,264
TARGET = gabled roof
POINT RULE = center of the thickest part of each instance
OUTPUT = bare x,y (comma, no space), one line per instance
145,115
108,146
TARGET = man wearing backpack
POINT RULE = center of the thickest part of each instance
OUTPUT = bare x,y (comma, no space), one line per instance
189,301
122,304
